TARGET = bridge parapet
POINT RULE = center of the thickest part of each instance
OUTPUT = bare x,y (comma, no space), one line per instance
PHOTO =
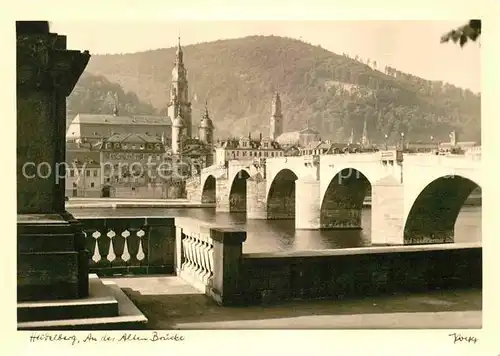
450,161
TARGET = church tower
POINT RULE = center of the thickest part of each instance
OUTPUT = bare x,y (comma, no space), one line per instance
364,139
276,123
178,130
179,105
206,128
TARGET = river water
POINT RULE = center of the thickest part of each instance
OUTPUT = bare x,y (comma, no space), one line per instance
280,235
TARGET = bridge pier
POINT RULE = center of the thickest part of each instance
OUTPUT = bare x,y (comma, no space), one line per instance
387,213
307,210
256,198
222,192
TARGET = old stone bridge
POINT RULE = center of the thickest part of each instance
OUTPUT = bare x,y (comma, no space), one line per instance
415,198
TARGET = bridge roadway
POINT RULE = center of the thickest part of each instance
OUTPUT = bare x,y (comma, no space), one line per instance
415,198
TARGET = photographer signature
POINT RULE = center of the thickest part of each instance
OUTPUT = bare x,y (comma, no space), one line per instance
458,338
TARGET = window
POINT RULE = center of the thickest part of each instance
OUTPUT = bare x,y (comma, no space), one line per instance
87,172
272,154
244,153
265,154
74,185
71,173
92,185
95,172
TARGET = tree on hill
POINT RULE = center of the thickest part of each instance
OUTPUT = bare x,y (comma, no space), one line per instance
470,31
95,94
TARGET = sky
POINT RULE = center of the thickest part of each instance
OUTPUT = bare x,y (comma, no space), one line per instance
409,46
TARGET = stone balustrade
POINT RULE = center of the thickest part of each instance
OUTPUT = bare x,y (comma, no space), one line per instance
125,245
209,258
195,250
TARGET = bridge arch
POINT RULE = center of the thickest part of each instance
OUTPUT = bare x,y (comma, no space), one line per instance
342,203
238,192
208,190
281,196
434,212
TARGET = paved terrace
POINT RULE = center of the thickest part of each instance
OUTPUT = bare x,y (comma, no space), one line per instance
170,303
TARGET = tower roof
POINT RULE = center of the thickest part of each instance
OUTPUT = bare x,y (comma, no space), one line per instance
178,53
178,122
206,122
276,105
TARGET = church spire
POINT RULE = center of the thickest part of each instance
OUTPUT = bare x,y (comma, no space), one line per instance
276,105
179,54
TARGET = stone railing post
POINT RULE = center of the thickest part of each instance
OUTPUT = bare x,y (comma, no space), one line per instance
226,284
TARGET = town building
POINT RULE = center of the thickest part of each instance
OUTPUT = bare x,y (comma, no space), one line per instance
246,148
130,158
299,138
83,173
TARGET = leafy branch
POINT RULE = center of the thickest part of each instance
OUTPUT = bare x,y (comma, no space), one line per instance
470,31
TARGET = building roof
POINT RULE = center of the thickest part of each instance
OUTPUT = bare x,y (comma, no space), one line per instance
91,159
253,144
133,138
103,119
293,137
288,138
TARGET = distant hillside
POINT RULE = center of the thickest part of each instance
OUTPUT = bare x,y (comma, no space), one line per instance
330,92
94,94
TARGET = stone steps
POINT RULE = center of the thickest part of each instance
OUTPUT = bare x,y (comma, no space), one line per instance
99,303
107,308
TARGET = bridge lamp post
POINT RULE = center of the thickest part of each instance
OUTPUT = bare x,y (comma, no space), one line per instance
432,142
402,141
386,137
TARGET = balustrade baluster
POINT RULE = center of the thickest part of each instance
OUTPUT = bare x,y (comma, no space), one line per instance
96,257
189,253
194,266
111,252
206,259
125,255
184,256
198,247
140,252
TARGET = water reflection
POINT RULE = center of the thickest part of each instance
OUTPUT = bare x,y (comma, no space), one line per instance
280,235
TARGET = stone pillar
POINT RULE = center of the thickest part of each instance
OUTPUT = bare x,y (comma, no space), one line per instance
308,207
222,195
256,198
225,287
52,260
387,212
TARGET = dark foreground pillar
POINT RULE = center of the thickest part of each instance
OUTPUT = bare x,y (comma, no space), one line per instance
52,260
